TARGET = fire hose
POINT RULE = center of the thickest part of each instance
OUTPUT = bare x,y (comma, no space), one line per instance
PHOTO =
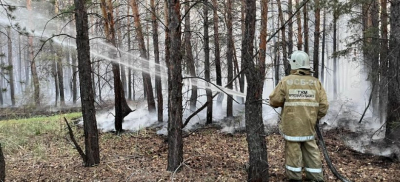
326,156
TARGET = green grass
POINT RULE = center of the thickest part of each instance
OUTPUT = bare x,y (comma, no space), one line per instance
33,134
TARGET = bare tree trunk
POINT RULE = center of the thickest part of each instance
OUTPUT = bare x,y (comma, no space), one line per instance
58,60
175,142
393,114
189,56
1,77
243,16
283,43
74,79
323,49
317,33
20,63
290,31
383,92
305,16
143,54
60,76
216,45
120,45
11,67
54,74
374,55
92,152
157,61
335,19
229,56
299,32
207,63
258,161
35,77
121,106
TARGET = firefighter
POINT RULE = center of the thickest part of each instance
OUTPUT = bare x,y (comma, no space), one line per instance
304,102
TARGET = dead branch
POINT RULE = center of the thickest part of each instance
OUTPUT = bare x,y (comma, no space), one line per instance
71,135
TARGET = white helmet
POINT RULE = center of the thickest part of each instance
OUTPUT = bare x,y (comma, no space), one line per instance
299,59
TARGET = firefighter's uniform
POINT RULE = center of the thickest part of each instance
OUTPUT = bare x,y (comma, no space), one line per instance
303,101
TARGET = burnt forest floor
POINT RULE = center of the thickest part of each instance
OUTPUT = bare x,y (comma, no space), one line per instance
209,155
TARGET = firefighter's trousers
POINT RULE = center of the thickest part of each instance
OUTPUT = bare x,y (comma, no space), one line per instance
299,154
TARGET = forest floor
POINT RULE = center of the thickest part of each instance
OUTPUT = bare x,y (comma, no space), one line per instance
209,155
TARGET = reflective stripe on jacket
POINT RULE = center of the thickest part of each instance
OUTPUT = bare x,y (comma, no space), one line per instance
303,101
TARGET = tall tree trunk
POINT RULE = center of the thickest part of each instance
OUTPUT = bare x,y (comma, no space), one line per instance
58,59
121,106
92,153
11,67
35,77
305,23
189,56
258,161
216,45
157,61
374,54
317,11
74,77
243,16
290,31
383,91
120,45
175,142
60,76
143,54
299,31
207,63
54,74
20,63
130,73
335,19
1,77
229,56
283,43
323,49
393,114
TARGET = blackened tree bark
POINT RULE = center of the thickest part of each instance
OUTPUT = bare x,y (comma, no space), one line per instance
216,46
87,101
121,106
157,61
74,75
11,67
207,62
60,76
317,11
258,170
189,56
175,142
229,56
383,88
151,105
393,114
